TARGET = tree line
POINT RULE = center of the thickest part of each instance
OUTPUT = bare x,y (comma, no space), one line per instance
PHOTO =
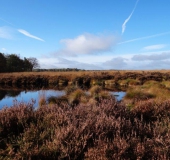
58,70
13,63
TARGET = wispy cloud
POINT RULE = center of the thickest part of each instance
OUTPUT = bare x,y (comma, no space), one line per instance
154,47
146,37
24,32
6,21
4,49
124,24
87,44
59,62
6,32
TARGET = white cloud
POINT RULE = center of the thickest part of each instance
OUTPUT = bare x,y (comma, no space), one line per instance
143,61
116,63
87,44
65,63
6,32
154,47
124,24
149,65
24,32
152,57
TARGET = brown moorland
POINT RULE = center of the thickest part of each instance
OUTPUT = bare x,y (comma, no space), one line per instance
92,126
122,78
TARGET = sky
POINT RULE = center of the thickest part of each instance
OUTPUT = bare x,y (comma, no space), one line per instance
88,34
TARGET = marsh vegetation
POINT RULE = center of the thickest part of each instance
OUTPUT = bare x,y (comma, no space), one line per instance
105,130
91,123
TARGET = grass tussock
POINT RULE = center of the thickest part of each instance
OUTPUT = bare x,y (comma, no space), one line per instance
149,90
75,95
107,130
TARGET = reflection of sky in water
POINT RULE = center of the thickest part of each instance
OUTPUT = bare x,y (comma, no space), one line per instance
26,96
119,95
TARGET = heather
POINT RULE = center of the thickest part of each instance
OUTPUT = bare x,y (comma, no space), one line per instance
103,130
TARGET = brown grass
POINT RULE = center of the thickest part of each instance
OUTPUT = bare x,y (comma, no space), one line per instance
159,91
73,74
85,78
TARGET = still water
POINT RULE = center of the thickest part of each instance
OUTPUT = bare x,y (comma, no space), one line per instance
7,97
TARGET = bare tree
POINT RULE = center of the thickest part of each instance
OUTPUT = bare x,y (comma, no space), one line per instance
34,63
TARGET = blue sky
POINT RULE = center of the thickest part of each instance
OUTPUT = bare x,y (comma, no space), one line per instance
88,34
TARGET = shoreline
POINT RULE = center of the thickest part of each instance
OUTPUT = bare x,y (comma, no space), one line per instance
82,78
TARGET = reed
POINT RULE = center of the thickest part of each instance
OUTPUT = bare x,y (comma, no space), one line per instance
42,98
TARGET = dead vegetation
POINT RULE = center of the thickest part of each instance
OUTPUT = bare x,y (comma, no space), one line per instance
86,78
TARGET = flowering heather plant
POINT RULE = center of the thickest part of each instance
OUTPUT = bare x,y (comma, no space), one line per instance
104,130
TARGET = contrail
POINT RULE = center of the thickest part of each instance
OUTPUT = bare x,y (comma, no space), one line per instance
7,22
146,37
124,24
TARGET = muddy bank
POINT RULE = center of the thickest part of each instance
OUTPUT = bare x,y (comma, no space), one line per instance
89,78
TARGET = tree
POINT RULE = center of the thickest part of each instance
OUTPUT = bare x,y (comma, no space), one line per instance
27,65
2,62
14,63
34,63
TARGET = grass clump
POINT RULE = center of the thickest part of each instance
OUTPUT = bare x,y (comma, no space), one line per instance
76,96
95,90
68,90
149,90
139,95
97,93
166,84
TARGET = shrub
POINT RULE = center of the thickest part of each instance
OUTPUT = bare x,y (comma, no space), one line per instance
106,130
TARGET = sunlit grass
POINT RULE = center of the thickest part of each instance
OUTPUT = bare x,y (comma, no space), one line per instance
149,90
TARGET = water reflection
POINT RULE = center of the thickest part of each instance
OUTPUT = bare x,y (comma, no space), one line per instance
119,95
2,94
9,93
7,97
